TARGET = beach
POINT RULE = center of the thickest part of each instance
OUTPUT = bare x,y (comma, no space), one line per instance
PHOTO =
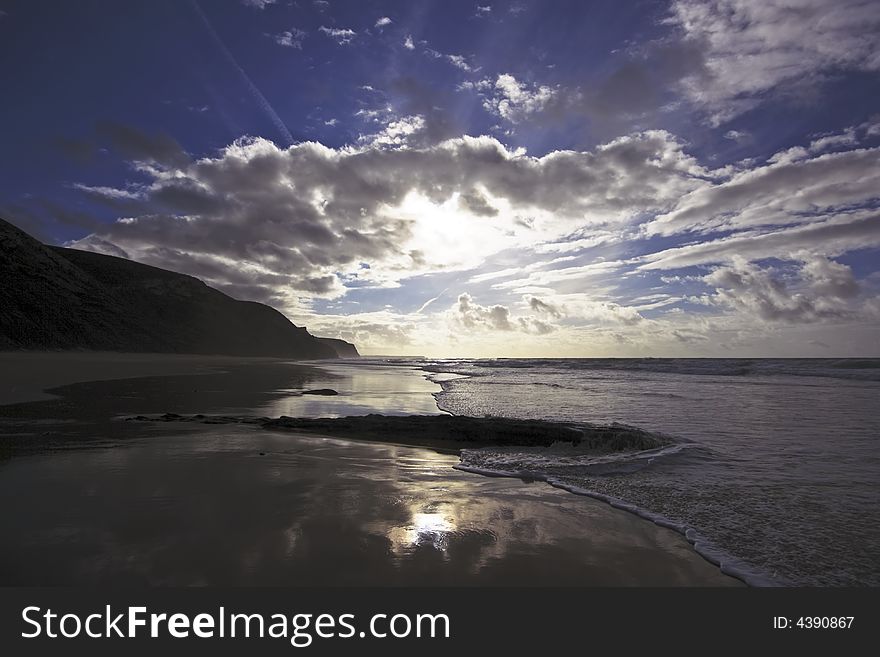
102,500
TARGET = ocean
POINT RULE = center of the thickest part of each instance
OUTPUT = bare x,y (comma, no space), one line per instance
774,467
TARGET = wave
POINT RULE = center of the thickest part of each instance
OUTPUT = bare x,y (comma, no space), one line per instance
489,463
860,369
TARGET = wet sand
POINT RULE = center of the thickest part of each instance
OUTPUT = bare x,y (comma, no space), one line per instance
27,375
102,501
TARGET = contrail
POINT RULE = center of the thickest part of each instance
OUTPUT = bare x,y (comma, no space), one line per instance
260,98
430,301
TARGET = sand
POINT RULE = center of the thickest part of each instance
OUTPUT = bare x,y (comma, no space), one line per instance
165,504
26,375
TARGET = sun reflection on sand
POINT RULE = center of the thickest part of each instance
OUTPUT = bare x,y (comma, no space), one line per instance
424,529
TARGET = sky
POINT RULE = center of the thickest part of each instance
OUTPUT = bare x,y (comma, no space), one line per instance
441,178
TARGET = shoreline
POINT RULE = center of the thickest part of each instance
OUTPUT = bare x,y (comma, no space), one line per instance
183,366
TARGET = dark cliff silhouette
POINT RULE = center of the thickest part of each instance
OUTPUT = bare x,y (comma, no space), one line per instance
59,298
343,349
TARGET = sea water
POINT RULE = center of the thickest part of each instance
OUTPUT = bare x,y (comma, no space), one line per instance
774,466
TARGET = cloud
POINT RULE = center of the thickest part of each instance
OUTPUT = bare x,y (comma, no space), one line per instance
287,225
415,97
833,235
342,36
81,151
307,212
397,133
293,38
476,203
542,307
459,62
471,315
108,192
754,48
516,101
822,291
535,326
136,145
382,22
408,42
258,4
737,135
788,190
467,315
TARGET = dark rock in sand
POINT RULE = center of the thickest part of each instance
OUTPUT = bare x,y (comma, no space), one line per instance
452,431
58,298
326,392
473,431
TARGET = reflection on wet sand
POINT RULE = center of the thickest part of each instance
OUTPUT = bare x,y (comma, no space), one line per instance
237,506
362,389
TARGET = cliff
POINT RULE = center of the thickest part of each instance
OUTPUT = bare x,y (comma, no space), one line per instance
58,298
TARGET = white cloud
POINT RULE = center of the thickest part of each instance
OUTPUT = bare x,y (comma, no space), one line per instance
469,316
821,289
307,215
516,101
833,142
258,4
397,133
408,42
793,188
755,47
382,22
342,36
286,225
833,235
292,38
109,192
737,135
472,315
459,62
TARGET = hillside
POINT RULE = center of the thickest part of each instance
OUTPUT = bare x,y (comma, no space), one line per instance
58,298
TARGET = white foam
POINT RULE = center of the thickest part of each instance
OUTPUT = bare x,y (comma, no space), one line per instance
728,564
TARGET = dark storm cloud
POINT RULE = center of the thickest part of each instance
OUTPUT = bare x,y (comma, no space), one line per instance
426,101
477,204
187,197
81,151
139,146
643,82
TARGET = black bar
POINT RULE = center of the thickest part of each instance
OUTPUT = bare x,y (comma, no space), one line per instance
517,620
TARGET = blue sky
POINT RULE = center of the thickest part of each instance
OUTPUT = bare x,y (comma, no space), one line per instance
456,178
